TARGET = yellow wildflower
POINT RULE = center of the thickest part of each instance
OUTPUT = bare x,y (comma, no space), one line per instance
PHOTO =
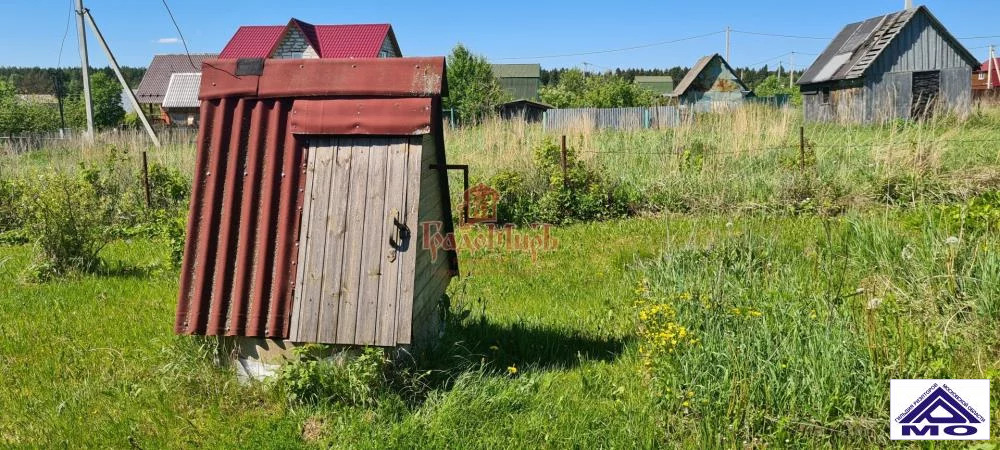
512,370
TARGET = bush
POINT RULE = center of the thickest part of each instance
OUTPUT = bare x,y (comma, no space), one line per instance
312,379
169,188
69,220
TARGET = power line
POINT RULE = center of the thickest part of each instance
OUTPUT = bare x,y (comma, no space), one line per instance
978,37
181,35
69,18
596,52
781,56
788,36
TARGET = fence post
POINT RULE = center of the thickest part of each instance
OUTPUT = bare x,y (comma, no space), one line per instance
802,148
562,161
145,180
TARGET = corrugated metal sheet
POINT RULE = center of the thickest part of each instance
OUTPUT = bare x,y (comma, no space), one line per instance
183,91
613,118
241,252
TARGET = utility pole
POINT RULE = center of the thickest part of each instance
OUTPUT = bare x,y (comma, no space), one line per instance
908,4
121,79
729,31
990,68
791,73
85,67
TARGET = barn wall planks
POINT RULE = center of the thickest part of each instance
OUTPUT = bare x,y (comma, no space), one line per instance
613,118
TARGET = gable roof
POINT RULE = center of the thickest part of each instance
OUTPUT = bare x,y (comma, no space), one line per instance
517,70
154,82
859,45
183,91
329,41
700,67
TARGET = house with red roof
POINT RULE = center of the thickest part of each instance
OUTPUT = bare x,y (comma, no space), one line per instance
986,80
302,40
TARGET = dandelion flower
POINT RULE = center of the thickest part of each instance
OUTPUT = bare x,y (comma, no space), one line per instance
512,370
494,348
952,240
686,404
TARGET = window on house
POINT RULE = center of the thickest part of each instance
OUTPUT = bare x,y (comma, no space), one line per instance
824,96
982,76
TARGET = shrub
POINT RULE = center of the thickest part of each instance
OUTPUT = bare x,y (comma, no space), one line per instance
311,379
169,188
69,221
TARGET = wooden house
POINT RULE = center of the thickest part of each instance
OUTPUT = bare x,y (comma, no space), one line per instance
710,84
898,66
180,102
320,211
986,80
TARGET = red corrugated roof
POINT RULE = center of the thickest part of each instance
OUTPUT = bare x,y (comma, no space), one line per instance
329,41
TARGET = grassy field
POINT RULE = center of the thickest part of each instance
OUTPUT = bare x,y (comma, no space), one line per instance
790,298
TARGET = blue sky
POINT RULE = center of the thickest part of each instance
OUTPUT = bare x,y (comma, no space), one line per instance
31,30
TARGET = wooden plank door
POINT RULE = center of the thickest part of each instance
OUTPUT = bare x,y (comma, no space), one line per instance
354,238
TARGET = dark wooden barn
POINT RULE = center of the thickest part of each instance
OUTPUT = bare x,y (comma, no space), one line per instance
902,65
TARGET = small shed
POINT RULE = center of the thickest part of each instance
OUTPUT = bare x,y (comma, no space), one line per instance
180,103
711,83
523,109
660,84
903,65
320,210
520,81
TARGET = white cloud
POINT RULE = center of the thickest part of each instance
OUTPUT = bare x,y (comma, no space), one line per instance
167,41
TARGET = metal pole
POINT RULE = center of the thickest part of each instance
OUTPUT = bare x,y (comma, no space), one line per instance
908,4
121,79
85,67
145,180
802,148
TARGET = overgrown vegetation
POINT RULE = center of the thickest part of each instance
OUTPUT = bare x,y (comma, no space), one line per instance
576,89
766,301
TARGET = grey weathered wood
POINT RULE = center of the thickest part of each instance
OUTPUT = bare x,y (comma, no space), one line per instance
404,309
395,195
353,240
371,246
303,242
312,278
336,227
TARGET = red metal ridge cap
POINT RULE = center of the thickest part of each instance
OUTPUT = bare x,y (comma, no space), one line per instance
379,77
368,116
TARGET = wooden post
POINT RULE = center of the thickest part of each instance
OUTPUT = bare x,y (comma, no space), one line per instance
145,178
562,162
802,148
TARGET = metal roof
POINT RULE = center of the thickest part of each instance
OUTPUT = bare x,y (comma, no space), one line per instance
517,70
157,77
700,67
859,44
329,41
182,91
241,251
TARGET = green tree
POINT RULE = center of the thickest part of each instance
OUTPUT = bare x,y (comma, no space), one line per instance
773,86
106,94
473,90
19,116
577,90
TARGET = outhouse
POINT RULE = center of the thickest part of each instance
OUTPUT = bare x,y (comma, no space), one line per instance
317,185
